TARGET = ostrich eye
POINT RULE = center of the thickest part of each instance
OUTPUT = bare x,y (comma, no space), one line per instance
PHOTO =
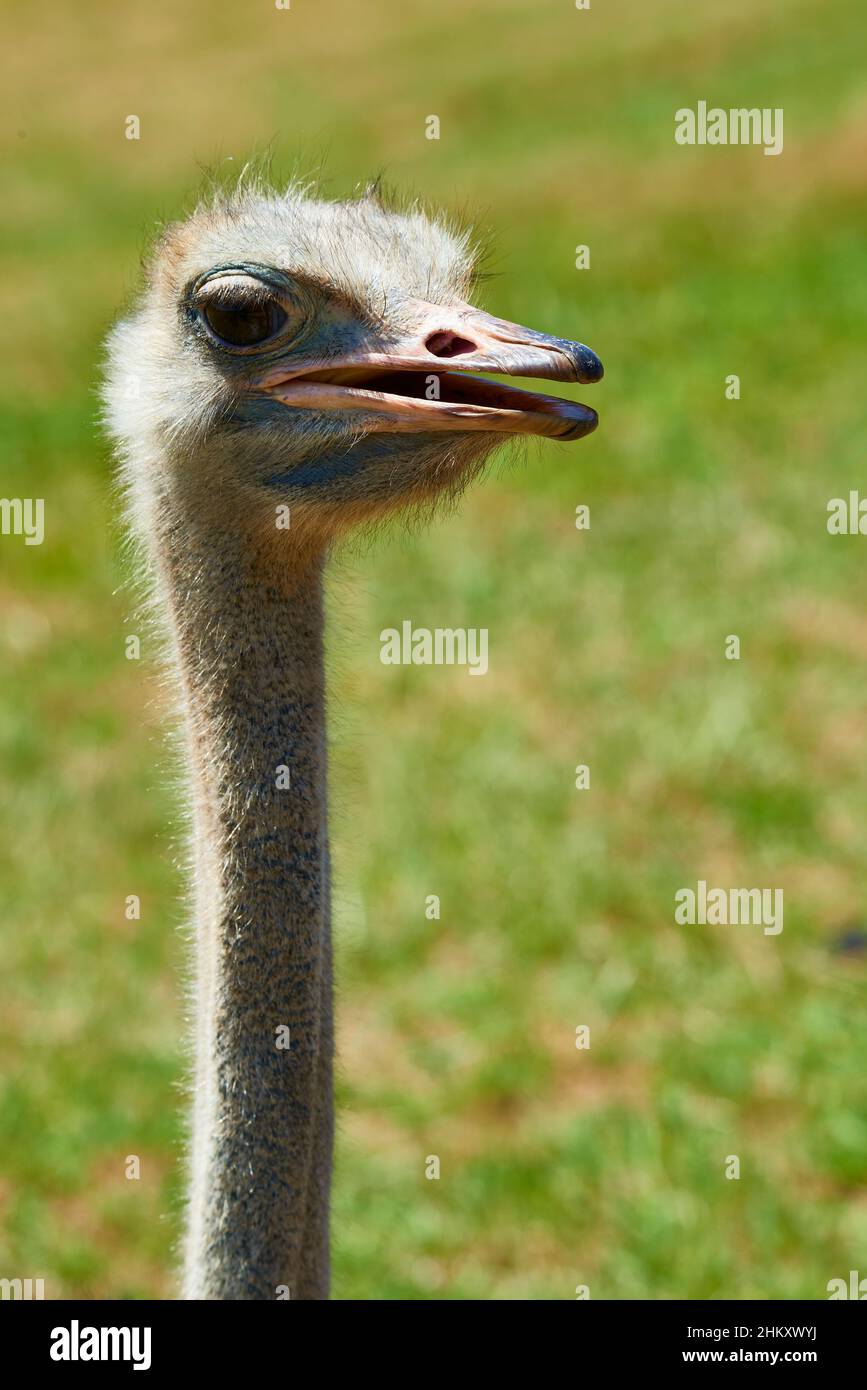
243,322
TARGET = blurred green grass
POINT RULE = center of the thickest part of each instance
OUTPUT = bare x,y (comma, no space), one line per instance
559,1167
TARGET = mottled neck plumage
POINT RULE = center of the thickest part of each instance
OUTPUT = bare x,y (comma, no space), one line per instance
249,642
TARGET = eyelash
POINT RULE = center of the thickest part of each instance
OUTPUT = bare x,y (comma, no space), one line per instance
232,297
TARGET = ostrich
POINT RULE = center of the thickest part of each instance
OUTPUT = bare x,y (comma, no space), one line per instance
294,368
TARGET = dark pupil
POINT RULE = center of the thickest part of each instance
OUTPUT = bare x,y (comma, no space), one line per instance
243,324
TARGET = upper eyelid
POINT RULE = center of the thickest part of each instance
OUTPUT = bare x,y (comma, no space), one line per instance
267,279
235,287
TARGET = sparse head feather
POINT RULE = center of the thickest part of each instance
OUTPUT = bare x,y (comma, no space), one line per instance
362,247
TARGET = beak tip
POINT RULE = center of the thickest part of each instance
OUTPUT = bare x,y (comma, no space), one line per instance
588,366
584,422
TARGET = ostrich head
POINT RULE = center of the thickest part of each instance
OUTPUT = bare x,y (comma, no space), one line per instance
322,356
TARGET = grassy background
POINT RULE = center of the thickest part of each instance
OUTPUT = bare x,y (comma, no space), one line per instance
603,1167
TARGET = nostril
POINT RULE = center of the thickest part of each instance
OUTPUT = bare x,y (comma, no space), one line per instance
445,344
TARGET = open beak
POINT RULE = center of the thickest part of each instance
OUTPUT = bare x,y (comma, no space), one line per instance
409,388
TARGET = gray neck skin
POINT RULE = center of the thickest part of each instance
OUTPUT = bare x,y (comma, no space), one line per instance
249,637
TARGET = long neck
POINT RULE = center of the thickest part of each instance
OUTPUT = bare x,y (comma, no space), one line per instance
249,642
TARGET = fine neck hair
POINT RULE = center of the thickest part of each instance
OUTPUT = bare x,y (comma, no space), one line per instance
247,637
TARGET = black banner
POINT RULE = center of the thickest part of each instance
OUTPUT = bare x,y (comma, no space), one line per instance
80,1339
